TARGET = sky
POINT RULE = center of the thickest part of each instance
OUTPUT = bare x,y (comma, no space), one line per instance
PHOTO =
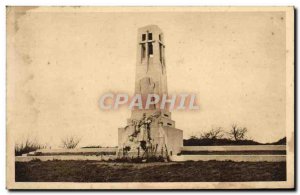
61,61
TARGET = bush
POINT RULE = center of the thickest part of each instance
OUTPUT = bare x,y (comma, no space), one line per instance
27,146
36,160
70,142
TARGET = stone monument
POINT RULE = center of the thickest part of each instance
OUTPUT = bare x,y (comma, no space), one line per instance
150,132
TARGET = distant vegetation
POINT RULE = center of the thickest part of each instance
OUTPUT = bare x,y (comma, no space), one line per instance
217,142
27,146
279,142
223,142
99,146
70,142
218,137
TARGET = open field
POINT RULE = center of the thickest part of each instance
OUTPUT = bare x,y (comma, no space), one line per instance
93,171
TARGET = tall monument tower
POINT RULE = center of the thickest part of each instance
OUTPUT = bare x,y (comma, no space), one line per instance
151,77
150,132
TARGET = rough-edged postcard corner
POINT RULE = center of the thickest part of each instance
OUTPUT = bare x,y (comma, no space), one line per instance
150,98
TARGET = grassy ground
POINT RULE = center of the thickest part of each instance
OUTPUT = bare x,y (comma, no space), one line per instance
91,171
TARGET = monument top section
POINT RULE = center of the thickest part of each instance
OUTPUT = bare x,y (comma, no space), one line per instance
150,28
150,33
150,75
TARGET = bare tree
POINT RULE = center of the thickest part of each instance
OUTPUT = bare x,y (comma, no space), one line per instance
70,142
214,133
237,133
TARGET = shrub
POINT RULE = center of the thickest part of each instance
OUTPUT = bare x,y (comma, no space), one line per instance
27,146
70,142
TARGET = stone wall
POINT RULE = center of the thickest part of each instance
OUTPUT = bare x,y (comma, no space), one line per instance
234,148
238,153
174,140
62,157
237,158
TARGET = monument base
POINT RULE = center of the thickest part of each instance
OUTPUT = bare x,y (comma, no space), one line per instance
165,141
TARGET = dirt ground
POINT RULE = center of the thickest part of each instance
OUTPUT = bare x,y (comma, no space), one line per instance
91,171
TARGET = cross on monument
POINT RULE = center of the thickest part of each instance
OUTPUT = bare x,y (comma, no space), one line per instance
147,47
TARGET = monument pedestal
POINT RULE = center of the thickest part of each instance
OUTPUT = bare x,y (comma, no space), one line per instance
159,139
170,144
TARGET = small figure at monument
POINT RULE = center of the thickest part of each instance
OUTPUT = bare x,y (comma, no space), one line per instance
144,128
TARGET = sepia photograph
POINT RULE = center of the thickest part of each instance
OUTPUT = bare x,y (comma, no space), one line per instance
150,97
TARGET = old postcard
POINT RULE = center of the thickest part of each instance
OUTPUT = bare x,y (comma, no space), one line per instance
150,97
